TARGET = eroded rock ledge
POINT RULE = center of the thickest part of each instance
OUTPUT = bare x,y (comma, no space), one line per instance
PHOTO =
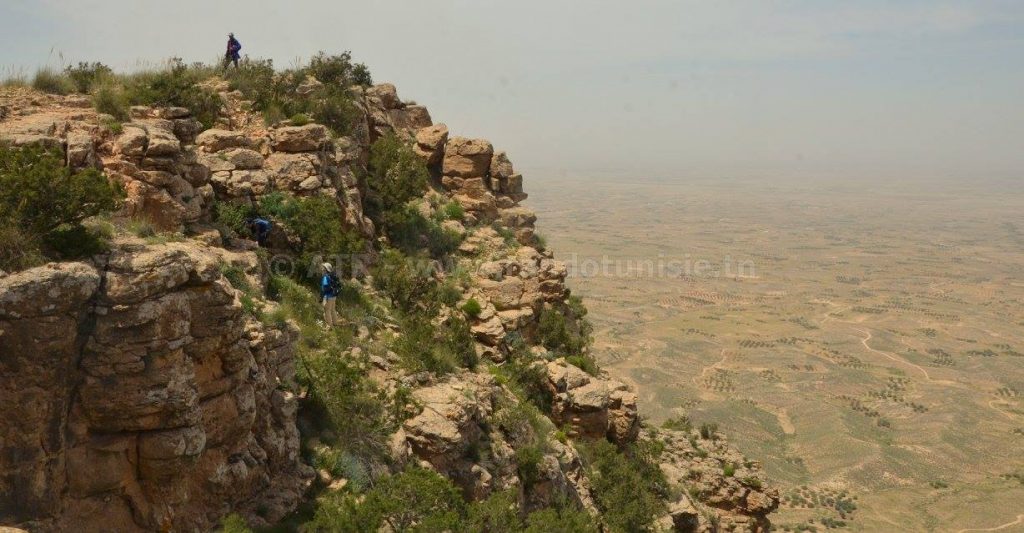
139,397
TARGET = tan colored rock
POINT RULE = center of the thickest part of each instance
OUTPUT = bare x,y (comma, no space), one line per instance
430,142
131,142
215,140
410,118
150,385
593,407
501,166
243,158
467,158
308,138
387,94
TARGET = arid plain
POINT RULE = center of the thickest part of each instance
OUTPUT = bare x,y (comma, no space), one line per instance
865,341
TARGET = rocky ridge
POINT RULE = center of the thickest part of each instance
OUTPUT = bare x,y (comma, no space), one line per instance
168,407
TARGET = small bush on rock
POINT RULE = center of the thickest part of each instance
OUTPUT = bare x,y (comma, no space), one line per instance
52,81
396,175
176,85
47,202
628,485
413,500
560,519
472,308
85,76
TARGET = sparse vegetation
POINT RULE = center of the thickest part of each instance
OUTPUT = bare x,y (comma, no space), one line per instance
628,486
52,81
43,205
289,95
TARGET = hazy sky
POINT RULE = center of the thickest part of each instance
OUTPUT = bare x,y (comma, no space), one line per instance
714,88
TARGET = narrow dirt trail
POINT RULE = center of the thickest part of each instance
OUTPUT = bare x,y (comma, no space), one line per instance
902,361
724,356
1019,520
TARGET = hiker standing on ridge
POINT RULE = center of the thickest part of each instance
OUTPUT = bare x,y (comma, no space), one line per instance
329,287
232,55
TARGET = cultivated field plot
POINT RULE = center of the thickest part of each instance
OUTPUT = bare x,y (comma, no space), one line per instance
865,341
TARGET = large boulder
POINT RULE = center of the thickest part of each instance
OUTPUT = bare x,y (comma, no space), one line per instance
592,407
430,142
387,94
467,158
308,138
215,140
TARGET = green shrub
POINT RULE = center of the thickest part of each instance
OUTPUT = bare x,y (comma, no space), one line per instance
85,76
453,211
584,362
440,349
561,519
352,405
279,205
52,81
361,75
562,334
47,202
73,241
396,175
319,223
472,308
708,431
413,500
18,251
276,95
628,486
728,469
300,119
408,287
234,523
523,376
408,230
528,460
681,423
177,85
498,513
331,69
110,98
255,79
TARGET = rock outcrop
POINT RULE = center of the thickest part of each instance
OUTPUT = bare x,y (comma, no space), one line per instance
140,397
730,489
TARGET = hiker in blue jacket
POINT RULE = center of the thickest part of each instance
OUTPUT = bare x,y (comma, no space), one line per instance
329,287
232,55
260,228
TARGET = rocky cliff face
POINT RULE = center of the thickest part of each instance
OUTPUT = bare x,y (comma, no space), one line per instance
138,396
135,394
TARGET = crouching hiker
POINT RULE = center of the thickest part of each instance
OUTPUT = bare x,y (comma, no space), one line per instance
260,228
329,287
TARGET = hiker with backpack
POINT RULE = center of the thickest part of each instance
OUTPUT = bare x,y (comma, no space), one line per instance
260,228
329,287
232,55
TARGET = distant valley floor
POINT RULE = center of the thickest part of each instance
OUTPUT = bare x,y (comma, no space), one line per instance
865,342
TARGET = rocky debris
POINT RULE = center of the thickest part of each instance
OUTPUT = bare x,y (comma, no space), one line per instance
163,405
593,407
455,434
512,290
153,159
738,499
